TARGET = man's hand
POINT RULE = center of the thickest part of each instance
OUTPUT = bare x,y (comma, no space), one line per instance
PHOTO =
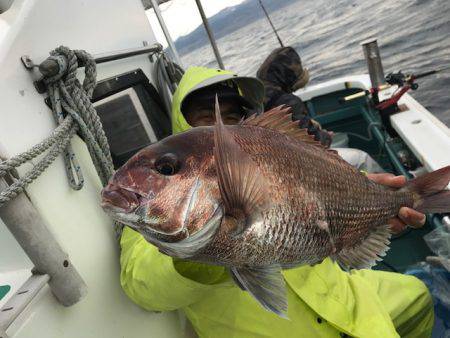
406,216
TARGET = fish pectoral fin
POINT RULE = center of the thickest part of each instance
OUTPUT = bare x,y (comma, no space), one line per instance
367,253
242,186
266,285
188,247
237,281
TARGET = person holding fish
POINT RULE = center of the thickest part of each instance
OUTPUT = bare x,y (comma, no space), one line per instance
248,227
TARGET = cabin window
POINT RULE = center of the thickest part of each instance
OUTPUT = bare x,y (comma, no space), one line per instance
125,123
132,114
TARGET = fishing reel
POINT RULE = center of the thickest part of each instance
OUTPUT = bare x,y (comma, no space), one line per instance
401,79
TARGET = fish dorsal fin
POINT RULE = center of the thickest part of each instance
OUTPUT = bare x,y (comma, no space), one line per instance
265,284
367,253
280,119
242,186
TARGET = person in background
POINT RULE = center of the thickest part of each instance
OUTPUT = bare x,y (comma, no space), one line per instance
282,73
324,301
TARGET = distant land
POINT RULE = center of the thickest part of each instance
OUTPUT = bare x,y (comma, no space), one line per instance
227,21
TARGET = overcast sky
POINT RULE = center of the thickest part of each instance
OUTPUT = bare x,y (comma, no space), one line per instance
182,16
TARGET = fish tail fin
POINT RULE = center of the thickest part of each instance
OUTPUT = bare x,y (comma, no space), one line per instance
430,190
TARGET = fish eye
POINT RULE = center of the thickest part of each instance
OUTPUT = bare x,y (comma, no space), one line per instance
167,165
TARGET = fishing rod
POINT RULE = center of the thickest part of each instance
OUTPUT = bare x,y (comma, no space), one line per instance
403,81
270,22
431,72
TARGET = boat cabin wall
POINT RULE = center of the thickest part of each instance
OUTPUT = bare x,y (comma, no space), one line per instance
34,28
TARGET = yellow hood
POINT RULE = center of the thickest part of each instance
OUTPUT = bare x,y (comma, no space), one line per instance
199,77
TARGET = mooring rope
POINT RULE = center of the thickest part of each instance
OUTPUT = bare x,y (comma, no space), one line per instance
73,111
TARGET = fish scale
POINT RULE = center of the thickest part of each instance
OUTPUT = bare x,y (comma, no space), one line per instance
278,162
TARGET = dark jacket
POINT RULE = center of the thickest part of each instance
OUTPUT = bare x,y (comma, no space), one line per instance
282,73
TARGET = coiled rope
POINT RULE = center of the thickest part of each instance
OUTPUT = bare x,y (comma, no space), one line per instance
73,111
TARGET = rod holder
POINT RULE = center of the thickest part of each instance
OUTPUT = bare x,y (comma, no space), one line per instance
373,59
33,235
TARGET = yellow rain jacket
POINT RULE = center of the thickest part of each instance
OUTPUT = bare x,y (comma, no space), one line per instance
323,300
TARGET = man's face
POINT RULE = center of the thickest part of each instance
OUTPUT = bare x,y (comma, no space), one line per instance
200,115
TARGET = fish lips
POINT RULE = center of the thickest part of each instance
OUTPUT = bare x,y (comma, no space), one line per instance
122,203
140,219
116,198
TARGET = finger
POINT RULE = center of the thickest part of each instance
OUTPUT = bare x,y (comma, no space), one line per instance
388,179
394,181
397,182
412,217
380,177
396,225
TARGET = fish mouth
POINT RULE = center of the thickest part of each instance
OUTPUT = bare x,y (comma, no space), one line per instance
136,217
131,208
157,237
121,199
121,204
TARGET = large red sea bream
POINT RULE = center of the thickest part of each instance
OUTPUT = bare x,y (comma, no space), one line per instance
259,197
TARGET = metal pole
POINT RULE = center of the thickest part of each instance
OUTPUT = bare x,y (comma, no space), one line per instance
122,54
210,34
51,67
166,32
373,58
271,24
31,232
377,132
